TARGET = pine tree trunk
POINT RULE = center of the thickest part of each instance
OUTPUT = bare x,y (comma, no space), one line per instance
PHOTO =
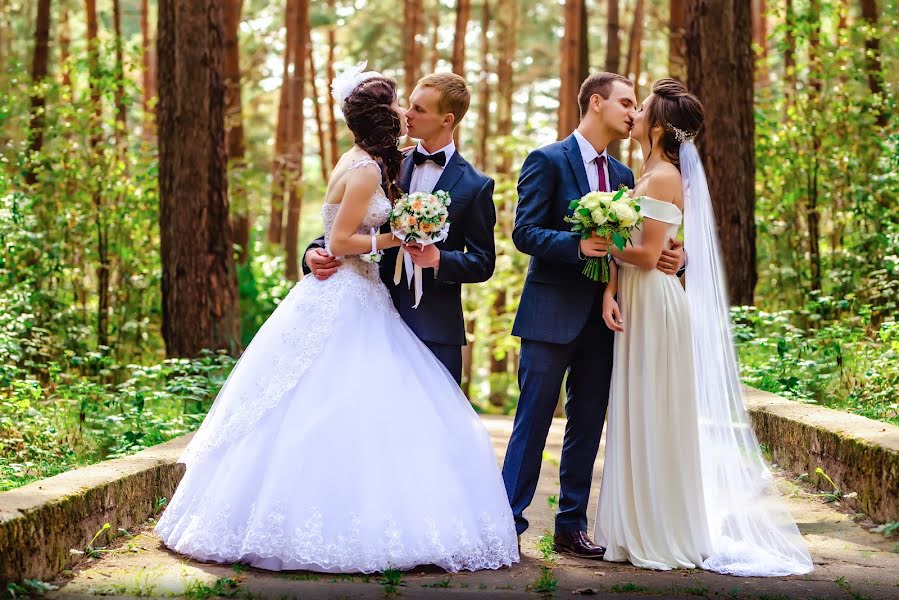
319,123
720,73
872,52
148,71
332,119
100,210
574,66
234,132
121,118
634,64
484,100
276,218
199,294
467,353
507,29
65,46
790,52
677,62
295,144
412,51
463,13
38,73
812,212
760,38
435,35
613,56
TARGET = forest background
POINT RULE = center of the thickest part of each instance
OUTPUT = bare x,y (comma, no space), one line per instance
162,166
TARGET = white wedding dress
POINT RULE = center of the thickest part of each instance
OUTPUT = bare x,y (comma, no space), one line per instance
651,508
339,443
683,482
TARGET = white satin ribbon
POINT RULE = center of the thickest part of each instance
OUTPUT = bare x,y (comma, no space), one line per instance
413,271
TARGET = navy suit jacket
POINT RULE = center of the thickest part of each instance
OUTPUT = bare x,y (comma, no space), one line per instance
557,297
467,255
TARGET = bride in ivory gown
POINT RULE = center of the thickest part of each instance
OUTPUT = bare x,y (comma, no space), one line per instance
684,484
339,443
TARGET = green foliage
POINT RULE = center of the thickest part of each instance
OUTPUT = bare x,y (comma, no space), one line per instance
546,583
222,588
841,361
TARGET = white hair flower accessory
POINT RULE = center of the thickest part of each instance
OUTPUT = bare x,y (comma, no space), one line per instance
344,83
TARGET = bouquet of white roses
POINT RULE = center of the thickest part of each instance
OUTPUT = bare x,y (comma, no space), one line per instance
610,215
419,218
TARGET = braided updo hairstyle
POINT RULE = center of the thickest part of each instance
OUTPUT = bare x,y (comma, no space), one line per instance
678,112
376,127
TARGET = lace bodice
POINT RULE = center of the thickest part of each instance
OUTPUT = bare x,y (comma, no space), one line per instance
378,208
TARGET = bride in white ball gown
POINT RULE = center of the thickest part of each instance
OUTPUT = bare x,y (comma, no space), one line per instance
339,442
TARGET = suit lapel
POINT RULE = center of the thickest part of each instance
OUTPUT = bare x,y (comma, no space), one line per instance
406,173
573,152
615,175
451,174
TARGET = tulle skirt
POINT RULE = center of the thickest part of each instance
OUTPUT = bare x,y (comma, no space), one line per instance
373,459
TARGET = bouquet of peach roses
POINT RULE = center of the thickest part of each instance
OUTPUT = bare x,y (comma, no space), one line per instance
419,218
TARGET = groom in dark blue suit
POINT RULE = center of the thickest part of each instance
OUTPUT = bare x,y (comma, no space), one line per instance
559,318
468,254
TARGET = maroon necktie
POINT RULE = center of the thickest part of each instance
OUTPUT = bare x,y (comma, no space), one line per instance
600,163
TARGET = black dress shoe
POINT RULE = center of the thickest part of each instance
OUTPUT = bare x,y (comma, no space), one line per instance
577,544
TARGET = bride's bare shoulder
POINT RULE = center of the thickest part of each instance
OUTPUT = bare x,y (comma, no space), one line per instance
663,183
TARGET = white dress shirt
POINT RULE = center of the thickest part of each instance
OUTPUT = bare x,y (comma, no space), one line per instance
589,154
426,175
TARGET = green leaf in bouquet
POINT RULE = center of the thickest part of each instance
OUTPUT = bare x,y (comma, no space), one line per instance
618,240
583,212
618,195
586,234
573,204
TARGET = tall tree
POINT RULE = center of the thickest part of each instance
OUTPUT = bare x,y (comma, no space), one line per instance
38,73
295,145
816,101
234,129
484,93
507,28
719,71
65,45
463,13
96,138
574,53
677,62
121,124
760,37
790,51
613,56
316,106
435,36
413,25
199,293
329,70
148,70
279,174
634,64
872,53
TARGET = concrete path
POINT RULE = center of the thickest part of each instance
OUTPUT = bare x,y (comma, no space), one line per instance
850,562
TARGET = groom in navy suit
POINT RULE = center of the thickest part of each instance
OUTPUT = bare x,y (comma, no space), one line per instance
467,255
559,318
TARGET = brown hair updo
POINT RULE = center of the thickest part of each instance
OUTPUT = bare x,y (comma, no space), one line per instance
376,127
678,112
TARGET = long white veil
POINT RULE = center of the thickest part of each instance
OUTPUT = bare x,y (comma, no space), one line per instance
752,531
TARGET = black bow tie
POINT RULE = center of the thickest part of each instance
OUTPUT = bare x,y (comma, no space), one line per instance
421,158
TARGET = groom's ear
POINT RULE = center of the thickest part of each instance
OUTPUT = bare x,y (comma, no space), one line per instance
450,120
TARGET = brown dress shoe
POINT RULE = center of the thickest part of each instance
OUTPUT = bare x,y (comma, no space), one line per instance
577,544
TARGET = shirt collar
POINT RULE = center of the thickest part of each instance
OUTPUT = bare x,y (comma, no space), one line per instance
588,152
449,150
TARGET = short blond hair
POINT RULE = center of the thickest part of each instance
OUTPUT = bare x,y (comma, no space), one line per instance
454,93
